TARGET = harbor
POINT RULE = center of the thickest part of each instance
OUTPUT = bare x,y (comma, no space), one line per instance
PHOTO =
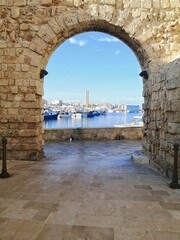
113,119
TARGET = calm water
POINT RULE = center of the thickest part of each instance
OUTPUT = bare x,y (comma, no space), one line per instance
108,120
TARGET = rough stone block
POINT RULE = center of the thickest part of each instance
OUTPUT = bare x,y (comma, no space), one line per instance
54,25
174,128
173,94
32,2
165,4
13,111
30,97
25,68
24,27
156,3
135,3
28,133
31,119
10,59
126,3
106,12
69,2
175,3
20,3
172,83
156,87
174,117
78,3
38,42
146,4
15,13
46,2
93,10
48,30
18,97
108,2
14,89
2,2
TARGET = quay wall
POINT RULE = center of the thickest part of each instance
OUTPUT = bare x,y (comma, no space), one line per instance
132,133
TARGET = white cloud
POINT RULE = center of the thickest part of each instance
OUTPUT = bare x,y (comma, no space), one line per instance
72,40
117,52
108,39
80,43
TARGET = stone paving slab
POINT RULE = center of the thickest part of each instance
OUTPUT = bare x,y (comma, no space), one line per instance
87,190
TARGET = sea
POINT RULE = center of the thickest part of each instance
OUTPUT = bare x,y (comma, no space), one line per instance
107,120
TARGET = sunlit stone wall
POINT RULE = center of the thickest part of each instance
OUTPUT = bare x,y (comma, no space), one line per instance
162,117
31,30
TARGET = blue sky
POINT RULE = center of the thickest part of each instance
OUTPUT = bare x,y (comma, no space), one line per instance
96,62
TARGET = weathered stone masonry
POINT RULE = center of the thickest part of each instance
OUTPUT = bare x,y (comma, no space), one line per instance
31,30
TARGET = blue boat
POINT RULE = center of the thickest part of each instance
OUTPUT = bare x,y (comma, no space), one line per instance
96,113
90,114
49,114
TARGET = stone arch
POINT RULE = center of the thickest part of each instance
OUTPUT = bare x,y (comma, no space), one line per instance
51,36
105,27
30,35
57,30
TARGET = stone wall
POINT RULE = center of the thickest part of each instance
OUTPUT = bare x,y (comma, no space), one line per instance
131,133
31,30
162,117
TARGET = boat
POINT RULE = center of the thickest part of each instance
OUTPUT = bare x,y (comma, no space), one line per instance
137,121
77,115
90,114
96,113
110,111
50,114
64,115
103,113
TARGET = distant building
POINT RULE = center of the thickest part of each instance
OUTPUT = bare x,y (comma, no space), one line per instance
87,98
132,108
56,102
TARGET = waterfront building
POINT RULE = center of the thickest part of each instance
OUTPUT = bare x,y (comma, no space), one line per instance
57,102
132,108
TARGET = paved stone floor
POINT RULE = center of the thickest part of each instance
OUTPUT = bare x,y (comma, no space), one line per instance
87,191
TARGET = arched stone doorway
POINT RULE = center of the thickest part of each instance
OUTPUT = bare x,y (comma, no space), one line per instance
31,35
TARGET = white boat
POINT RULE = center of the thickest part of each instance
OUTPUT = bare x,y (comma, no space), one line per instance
110,111
137,121
64,115
77,115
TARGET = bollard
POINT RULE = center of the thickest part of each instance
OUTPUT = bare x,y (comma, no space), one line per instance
71,138
4,173
174,184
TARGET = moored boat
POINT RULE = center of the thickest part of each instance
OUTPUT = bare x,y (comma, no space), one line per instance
49,114
64,115
77,115
137,121
90,114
